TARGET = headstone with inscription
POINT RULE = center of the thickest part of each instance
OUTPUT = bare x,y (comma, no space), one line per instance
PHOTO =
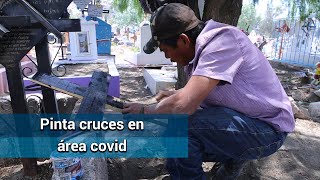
95,10
26,27
81,4
27,23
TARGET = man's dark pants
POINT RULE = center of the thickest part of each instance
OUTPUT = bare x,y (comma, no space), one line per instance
223,135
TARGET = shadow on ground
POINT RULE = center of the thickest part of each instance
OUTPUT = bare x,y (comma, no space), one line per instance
297,159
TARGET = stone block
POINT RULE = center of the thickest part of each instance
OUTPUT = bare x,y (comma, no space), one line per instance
159,79
313,97
299,95
34,104
314,110
66,104
141,59
5,106
317,93
299,112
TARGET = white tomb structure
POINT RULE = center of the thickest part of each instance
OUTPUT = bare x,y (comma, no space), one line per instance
160,79
83,45
141,58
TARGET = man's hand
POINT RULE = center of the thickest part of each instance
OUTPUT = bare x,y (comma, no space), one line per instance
132,108
163,94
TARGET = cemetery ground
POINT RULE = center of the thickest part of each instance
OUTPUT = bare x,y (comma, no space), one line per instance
298,158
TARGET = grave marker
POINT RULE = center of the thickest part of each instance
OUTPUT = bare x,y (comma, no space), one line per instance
95,10
141,58
25,25
81,4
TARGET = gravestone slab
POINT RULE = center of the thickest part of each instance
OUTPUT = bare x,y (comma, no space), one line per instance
16,44
95,10
141,58
157,79
81,4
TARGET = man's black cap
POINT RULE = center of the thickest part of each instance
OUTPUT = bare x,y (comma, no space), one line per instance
168,21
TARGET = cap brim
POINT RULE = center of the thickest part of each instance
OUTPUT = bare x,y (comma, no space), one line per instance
151,46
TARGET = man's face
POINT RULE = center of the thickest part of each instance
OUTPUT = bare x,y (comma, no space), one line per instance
182,54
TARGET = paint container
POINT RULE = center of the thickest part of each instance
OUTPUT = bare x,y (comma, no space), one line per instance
66,168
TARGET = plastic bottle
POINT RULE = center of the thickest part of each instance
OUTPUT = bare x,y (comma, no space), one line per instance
66,168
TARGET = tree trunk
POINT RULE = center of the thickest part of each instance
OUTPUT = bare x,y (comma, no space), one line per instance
182,78
224,11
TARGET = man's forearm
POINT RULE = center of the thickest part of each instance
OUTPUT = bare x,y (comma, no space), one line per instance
170,105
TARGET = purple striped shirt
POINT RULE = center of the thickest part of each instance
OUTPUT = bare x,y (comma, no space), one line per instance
225,53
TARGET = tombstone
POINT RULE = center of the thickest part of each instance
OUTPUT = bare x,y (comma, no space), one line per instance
104,34
81,4
141,58
26,24
160,79
83,45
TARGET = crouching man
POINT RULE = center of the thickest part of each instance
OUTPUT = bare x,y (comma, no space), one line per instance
245,111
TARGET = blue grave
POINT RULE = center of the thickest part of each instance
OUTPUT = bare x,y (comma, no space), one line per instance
104,35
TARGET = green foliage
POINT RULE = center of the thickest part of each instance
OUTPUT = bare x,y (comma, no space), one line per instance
248,19
266,26
122,6
127,12
305,8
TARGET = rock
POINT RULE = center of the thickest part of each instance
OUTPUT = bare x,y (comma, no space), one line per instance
305,80
294,106
34,104
298,95
66,104
299,112
305,94
5,106
303,113
313,97
317,93
314,110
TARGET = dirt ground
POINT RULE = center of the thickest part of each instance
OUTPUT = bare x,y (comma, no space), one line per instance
297,159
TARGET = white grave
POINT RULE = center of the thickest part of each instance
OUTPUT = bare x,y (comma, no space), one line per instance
163,79
83,45
141,58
